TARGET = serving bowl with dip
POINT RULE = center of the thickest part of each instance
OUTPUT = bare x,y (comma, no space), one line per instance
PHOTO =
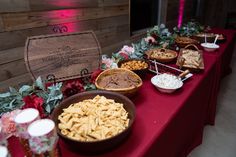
167,83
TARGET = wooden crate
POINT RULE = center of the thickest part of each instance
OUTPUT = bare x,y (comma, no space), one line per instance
60,57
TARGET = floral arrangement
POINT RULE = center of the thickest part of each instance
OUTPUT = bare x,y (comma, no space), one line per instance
75,86
189,29
160,36
37,96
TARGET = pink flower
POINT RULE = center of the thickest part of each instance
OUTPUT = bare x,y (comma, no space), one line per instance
128,49
150,40
7,122
108,62
124,54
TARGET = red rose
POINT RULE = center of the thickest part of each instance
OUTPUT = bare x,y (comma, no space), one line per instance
33,101
155,36
72,87
124,55
95,75
48,84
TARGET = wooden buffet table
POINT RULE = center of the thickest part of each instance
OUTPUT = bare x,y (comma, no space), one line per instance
169,125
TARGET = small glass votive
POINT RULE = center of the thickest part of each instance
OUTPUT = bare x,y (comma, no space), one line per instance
23,120
43,138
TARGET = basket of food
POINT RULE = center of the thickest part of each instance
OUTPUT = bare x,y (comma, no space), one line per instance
190,58
94,122
119,80
161,55
184,41
139,66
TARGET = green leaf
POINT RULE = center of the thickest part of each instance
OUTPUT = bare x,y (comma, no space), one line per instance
25,90
4,95
103,66
90,87
48,108
11,103
12,90
39,83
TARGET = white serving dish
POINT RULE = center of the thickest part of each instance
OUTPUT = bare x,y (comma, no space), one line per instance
210,46
156,82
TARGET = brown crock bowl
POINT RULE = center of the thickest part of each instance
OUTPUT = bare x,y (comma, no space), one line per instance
100,146
210,37
139,72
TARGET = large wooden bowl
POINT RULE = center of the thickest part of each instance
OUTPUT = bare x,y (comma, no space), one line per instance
95,147
128,91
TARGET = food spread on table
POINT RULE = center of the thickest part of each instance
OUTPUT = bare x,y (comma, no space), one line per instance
134,65
101,118
93,119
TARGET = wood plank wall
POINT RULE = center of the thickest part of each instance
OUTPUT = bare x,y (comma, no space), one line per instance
19,19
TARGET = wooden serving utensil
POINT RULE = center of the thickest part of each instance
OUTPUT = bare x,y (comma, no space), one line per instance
183,74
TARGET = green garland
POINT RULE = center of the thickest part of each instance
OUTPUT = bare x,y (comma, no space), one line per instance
13,99
189,29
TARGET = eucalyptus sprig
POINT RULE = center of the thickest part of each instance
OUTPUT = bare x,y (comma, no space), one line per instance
189,29
13,99
162,35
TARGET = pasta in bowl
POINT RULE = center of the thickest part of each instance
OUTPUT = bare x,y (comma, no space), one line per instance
95,121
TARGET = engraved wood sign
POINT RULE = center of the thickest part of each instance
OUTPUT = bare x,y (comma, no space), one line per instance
61,57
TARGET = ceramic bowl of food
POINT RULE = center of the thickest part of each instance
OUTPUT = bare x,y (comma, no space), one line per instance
166,83
119,80
161,55
80,130
139,66
210,46
201,37
184,41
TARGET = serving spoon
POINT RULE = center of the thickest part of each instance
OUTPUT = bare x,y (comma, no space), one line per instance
216,38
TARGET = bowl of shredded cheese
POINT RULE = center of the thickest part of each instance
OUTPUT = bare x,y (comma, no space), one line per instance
166,83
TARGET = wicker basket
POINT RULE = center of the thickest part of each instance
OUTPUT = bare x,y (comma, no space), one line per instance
128,91
180,61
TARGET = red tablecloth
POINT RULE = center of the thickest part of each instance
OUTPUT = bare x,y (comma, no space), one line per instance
169,125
